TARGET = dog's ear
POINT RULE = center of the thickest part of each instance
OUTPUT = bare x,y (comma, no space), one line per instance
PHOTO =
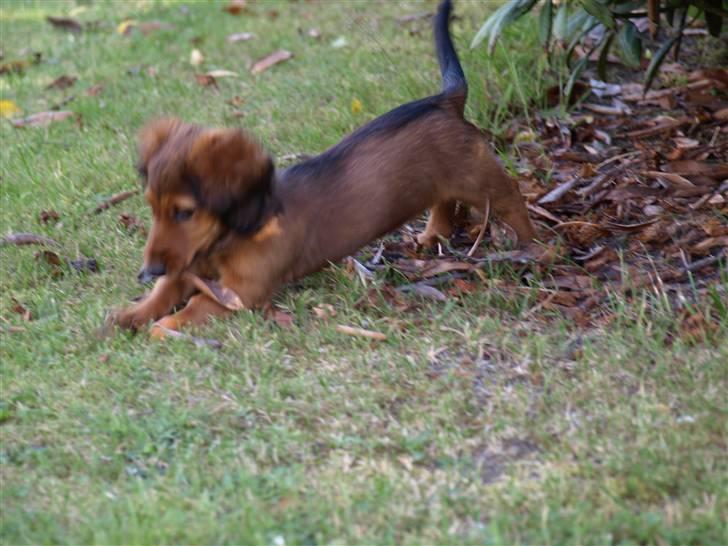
236,178
151,139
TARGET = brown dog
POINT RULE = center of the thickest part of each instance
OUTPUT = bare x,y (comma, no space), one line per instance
221,211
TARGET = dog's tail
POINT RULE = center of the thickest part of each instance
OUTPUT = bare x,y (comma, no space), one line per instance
454,86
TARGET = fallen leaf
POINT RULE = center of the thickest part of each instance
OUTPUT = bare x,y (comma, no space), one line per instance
360,332
444,266
236,7
125,27
115,200
339,42
217,292
8,108
196,57
355,106
94,90
83,265
284,319
49,257
424,290
48,216
205,80
274,58
20,239
152,26
42,119
314,33
62,82
23,311
240,37
65,23
273,13
222,73
131,223
324,311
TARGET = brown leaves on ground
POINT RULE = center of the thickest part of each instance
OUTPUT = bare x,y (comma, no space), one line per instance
270,60
622,203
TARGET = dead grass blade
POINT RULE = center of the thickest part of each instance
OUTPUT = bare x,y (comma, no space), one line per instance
360,332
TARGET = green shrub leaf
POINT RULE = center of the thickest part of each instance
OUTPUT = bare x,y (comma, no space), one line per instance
603,54
657,60
600,11
630,44
713,19
545,20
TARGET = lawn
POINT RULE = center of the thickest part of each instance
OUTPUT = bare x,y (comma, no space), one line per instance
481,419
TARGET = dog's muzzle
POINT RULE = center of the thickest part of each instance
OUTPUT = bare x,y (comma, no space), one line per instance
148,274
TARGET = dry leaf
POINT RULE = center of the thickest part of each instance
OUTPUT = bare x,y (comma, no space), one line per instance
8,108
355,106
23,311
236,7
84,265
42,119
62,82
324,311
49,257
240,37
196,57
314,33
131,223
284,319
48,216
205,80
221,73
94,90
270,60
65,23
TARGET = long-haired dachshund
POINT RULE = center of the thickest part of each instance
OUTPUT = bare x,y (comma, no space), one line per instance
222,211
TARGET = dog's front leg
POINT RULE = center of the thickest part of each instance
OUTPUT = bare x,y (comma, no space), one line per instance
167,292
197,311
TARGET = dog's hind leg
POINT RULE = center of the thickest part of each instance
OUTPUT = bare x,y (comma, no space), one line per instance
440,223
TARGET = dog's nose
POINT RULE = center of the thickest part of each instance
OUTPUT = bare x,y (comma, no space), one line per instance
151,272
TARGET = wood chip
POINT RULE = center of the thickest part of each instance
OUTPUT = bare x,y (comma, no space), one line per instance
360,332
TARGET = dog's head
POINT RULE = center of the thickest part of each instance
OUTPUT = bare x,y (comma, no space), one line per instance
200,183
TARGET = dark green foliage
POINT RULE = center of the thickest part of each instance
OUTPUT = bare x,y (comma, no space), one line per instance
573,21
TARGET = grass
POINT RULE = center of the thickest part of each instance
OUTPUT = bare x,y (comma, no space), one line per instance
474,423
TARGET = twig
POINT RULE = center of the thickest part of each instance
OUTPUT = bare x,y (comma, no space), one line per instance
360,332
20,239
479,238
115,200
559,191
705,262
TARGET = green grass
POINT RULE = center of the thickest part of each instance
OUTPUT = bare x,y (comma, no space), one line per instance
474,423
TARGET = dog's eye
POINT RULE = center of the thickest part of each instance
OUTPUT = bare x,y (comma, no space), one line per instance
182,215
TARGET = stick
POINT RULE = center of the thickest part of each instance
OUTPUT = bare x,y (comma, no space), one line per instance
115,200
482,229
360,332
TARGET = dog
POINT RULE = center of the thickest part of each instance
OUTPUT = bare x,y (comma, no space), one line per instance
222,211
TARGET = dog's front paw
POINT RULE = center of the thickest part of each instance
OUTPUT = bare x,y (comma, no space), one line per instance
132,318
428,239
